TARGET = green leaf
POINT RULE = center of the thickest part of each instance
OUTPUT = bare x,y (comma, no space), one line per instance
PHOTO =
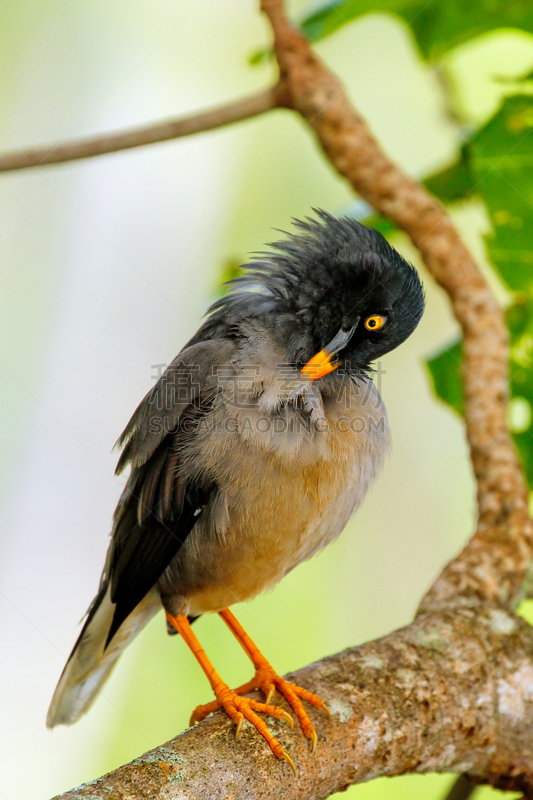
454,183
260,56
445,375
501,162
438,26
496,164
336,14
383,225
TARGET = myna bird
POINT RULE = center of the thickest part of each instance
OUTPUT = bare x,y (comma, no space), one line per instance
249,456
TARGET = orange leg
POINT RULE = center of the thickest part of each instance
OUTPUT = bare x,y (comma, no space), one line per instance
267,680
238,708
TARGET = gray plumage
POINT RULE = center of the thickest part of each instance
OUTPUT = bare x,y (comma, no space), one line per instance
242,467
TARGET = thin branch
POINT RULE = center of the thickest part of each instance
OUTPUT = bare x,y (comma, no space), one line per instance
137,137
436,696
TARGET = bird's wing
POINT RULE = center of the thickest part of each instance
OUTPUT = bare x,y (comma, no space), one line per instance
160,503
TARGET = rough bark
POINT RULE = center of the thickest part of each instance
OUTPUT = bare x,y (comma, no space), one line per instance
453,691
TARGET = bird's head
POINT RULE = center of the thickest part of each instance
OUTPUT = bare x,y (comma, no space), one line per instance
333,294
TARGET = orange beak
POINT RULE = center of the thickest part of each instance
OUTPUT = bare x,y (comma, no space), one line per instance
320,365
325,361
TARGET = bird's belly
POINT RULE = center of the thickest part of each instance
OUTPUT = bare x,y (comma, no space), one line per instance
282,523
272,512
260,548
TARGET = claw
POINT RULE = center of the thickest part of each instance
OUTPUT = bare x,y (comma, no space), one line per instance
288,719
286,757
294,695
239,723
271,691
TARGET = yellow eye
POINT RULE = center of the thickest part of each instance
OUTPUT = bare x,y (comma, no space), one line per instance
375,322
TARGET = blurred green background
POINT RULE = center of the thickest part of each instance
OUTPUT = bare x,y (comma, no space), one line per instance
108,264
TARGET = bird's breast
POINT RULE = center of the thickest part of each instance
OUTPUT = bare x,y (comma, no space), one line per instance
284,494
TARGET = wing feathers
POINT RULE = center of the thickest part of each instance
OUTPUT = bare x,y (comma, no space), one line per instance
158,508
186,380
162,501
166,492
148,483
146,552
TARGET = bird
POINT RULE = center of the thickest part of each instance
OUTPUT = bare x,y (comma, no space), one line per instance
248,456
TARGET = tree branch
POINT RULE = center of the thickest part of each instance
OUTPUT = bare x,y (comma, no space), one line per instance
495,565
461,789
161,132
451,692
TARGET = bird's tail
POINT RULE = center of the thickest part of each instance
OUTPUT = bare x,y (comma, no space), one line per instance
90,663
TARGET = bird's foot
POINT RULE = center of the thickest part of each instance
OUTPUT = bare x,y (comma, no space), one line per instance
239,708
268,681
